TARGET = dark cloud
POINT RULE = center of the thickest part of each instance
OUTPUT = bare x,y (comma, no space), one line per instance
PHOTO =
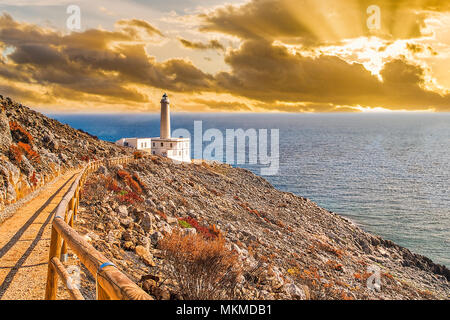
93,62
268,73
212,44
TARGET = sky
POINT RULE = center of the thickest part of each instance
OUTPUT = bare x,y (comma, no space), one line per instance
227,56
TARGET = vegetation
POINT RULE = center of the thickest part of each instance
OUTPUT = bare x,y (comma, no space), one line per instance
19,133
204,269
208,233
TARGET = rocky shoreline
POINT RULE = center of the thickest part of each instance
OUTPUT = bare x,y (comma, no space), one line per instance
288,247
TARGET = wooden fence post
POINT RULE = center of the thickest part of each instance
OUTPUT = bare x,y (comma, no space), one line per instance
52,276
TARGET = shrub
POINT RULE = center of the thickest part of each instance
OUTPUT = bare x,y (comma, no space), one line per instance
208,233
16,153
138,155
204,269
161,214
133,184
30,153
33,179
129,197
20,133
184,224
112,185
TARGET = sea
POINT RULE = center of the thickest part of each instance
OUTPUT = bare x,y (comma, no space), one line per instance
387,172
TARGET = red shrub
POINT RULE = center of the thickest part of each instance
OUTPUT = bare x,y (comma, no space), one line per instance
138,155
112,185
31,154
208,233
133,184
161,214
33,179
25,135
16,153
129,198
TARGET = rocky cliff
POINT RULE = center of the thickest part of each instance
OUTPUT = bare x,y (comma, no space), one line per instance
288,247
35,148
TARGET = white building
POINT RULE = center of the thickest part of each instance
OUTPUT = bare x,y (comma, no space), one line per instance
144,144
178,149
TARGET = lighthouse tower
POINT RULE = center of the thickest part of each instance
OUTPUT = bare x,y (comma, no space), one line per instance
165,117
177,149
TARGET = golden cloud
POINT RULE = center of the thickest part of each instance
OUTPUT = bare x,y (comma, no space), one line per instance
269,73
114,68
314,22
94,62
212,44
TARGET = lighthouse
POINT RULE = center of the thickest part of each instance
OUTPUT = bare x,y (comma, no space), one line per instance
165,117
177,149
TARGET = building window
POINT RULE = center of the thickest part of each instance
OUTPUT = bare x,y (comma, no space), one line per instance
154,152
154,144
162,144
171,145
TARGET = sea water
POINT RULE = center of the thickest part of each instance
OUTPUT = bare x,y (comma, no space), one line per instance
388,172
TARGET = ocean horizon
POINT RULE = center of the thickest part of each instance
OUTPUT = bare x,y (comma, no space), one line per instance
387,172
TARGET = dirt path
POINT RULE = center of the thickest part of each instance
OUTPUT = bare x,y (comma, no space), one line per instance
25,241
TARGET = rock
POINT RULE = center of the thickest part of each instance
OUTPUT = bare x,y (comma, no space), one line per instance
265,295
5,133
306,291
294,291
100,226
156,237
129,245
11,194
189,231
127,236
113,237
122,211
126,222
148,285
192,214
54,146
143,241
160,294
171,220
102,170
147,222
145,255
150,203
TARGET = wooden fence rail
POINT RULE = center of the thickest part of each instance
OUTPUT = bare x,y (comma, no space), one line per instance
111,283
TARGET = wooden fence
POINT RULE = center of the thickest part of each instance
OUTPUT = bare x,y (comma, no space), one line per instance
111,284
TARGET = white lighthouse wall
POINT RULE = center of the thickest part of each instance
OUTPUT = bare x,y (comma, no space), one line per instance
144,144
175,149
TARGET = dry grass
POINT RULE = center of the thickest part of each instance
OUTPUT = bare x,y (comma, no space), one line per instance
204,269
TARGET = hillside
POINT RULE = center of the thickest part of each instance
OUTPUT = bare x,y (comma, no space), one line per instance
34,147
171,225
287,246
